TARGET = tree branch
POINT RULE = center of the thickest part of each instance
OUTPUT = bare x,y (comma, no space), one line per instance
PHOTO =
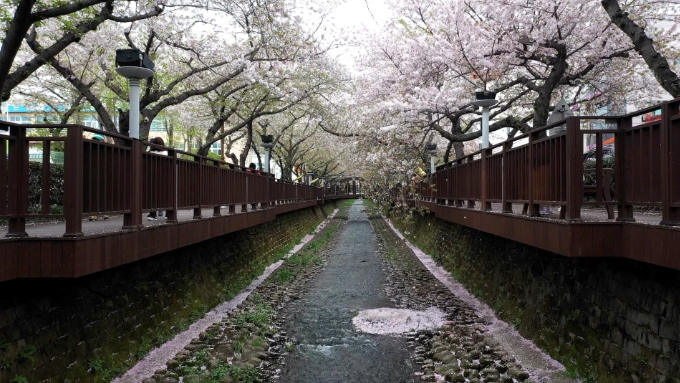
645,47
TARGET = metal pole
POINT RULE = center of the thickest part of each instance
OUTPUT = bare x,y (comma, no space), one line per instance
485,127
134,107
267,157
432,164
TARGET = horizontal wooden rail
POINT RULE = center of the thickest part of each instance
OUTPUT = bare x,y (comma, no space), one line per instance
548,169
122,176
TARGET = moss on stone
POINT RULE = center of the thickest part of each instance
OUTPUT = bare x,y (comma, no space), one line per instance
553,300
94,328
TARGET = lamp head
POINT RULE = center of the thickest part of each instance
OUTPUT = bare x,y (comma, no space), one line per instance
133,57
485,95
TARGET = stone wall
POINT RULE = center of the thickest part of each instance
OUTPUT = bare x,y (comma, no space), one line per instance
93,328
607,320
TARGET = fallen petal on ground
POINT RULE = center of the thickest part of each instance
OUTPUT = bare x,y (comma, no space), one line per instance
398,321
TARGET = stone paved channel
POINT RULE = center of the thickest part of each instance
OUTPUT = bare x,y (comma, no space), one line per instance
329,349
357,305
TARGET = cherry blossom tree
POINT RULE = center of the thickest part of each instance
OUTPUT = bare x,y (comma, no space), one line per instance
421,75
187,64
637,21
425,71
64,22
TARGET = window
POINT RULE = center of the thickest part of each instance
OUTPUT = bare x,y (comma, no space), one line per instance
180,146
20,119
91,122
157,126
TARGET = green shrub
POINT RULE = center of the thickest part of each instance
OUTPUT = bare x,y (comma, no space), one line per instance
35,188
589,178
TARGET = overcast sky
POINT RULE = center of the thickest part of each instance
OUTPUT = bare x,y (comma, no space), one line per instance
356,15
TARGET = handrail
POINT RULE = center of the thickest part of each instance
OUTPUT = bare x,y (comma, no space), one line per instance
123,178
549,170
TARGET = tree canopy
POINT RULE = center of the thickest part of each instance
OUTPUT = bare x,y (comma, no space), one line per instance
229,71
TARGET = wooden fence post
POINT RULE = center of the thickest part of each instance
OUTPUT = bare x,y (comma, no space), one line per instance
670,215
470,204
458,202
486,206
198,213
18,183
506,207
174,181
574,170
622,174
133,220
534,210
73,182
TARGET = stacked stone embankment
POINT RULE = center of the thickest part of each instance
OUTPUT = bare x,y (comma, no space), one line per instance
94,328
606,320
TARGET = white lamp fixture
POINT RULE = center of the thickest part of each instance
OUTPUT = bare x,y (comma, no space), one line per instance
134,65
431,150
486,100
267,144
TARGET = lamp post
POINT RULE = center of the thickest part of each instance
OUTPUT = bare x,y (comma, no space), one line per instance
267,144
135,65
486,100
431,150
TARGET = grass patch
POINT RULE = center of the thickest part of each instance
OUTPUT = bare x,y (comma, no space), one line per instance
227,373
304,260
260,316
283,276
347,202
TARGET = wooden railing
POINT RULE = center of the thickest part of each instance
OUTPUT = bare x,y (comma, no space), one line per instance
120,176
537,168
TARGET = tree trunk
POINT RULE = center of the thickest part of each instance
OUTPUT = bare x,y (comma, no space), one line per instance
16,32
234,160
246,149
458,150
645,47
447,153
559,68
170,129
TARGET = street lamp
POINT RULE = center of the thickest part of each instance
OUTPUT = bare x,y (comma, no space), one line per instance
431,150
135,65
486,100
267,144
